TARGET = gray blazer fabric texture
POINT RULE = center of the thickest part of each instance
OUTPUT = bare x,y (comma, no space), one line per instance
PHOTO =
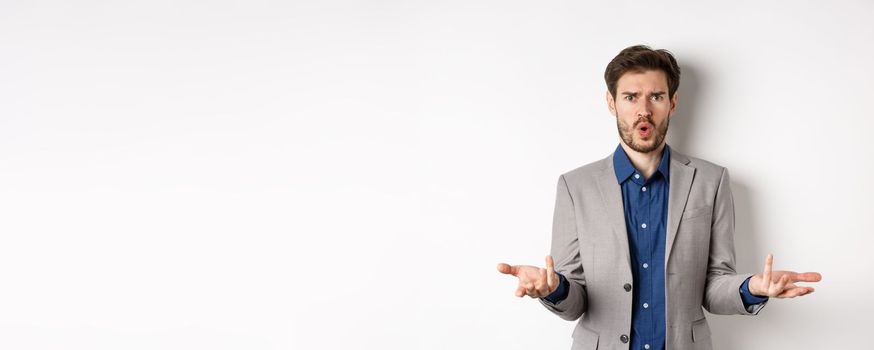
590,248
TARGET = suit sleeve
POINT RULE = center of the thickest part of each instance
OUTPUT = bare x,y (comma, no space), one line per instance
721,294
566,253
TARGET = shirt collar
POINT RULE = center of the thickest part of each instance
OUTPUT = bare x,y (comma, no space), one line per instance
623,168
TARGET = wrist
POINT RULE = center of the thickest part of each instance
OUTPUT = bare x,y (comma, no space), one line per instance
557,283
752,286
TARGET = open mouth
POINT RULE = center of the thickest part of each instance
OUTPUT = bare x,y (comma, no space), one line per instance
644,130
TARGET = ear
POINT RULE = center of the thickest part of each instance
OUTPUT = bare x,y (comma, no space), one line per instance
674,101
611,103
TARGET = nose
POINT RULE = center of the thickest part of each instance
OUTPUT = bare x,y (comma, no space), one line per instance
645,109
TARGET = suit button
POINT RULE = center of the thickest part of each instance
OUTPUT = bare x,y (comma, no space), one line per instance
623,338
627,287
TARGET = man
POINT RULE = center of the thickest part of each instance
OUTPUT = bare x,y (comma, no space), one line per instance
644,238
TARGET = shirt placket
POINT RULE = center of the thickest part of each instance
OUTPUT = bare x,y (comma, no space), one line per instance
646,252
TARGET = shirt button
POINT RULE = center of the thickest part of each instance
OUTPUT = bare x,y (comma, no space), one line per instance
645,305
644,189
646,346
643,225
636,176
645,265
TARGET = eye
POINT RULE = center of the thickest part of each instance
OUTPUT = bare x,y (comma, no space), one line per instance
629,97
656,97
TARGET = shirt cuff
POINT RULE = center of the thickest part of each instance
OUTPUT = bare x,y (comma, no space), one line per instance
560,293
747,297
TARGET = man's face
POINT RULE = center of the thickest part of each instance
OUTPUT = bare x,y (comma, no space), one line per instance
642,109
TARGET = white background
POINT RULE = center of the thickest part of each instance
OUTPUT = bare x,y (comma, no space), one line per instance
347,174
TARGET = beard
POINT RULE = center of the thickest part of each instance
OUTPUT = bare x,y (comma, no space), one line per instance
627,133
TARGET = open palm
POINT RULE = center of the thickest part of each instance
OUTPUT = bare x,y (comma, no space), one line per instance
534,281
781,284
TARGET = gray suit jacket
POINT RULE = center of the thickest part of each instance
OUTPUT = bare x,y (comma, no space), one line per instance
590,248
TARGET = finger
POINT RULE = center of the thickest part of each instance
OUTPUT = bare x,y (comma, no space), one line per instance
790,293
508,269
540,285
551,278
778,288
807,277
766,274
793,292
807,290
520,292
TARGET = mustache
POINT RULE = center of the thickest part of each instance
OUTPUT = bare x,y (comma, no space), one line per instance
641,120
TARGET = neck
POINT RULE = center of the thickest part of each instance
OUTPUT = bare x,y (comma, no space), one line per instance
645,163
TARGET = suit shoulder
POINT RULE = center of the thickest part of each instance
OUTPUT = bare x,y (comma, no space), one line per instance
587,171
706,168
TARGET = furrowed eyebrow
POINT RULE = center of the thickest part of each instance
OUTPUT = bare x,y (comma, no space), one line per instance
635,94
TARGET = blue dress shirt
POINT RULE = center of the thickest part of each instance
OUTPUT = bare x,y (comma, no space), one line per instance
645,202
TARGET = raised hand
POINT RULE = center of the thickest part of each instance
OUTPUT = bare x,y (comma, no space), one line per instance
534,281
781,284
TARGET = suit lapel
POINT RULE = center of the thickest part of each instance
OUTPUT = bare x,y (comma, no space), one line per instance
680,184
611,196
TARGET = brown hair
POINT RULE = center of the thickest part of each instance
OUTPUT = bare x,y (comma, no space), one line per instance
640,58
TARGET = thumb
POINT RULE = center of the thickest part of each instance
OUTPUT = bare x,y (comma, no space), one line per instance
551,279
